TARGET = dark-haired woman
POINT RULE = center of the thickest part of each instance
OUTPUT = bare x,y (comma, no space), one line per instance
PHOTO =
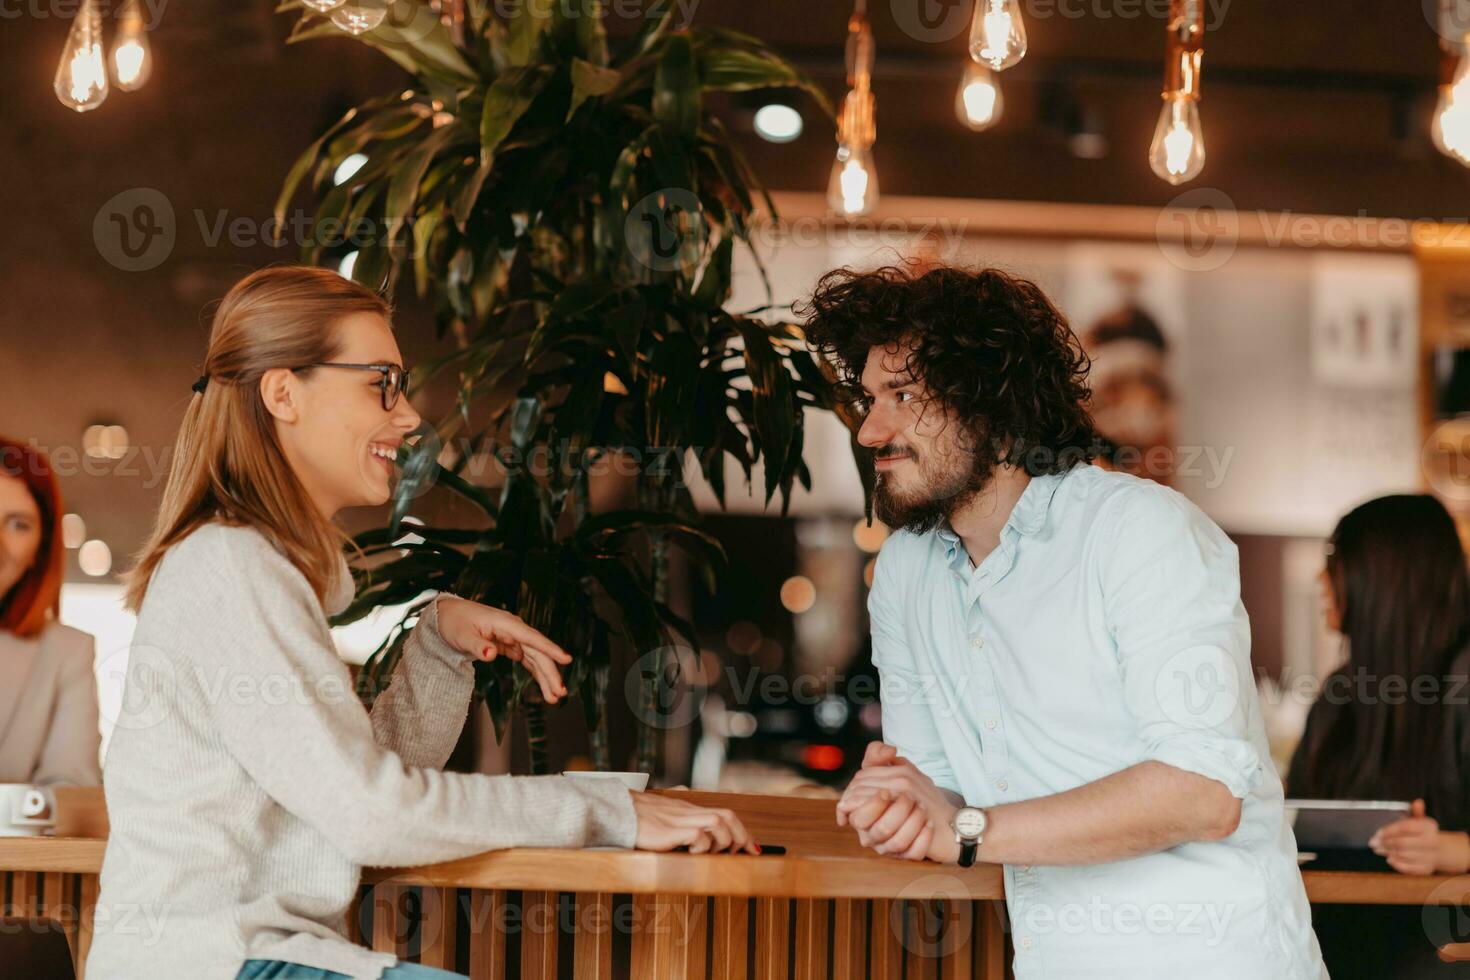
48,695
1392,724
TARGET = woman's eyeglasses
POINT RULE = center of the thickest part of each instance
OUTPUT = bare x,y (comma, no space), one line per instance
395,379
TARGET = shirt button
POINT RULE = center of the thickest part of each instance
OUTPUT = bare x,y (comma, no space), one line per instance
1025,942
1000,784
990,723
977,641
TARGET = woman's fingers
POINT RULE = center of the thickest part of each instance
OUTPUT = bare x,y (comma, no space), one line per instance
665,823
542,668
719,832
517,630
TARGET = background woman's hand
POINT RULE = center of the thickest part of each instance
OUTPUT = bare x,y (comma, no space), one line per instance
484,633
665,823
1411,844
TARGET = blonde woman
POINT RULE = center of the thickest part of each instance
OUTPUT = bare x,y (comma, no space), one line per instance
246,785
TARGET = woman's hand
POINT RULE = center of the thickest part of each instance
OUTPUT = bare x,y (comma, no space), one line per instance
665,823
484,633
1411,844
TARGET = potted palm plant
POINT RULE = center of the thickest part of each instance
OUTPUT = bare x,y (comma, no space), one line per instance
571,208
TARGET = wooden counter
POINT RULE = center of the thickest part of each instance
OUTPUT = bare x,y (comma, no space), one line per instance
826,908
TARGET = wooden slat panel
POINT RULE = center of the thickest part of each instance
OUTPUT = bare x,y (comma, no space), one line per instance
990,941
729,937
87,915
52,897
660,926
772,934
670,936
922,939
538,935
390,926
25,896
71,886
696,936
487,935
437,927
592,947
812,930
885,946
849,939
959,944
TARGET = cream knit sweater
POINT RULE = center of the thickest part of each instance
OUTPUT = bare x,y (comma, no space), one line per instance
247,786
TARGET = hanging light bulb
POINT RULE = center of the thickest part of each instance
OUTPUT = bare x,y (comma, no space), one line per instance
132,60
852,190
978,102
997,34
81,77
1451,128
1177,153
1178,150
322,6
359,16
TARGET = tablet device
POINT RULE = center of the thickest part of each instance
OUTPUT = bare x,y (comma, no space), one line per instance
1340,824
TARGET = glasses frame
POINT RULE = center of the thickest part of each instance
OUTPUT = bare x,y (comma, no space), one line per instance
395,380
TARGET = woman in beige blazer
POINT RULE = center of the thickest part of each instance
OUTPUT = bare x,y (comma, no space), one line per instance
48,694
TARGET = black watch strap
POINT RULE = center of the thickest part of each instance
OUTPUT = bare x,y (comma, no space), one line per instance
967,853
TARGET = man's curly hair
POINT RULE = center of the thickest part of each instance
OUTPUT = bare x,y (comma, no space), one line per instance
990,347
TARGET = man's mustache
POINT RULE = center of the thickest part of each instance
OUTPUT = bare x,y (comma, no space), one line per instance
892,451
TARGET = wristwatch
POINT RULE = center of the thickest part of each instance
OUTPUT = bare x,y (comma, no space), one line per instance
969,831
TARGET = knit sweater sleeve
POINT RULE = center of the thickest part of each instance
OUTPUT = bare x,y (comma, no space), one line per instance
293,723
422,712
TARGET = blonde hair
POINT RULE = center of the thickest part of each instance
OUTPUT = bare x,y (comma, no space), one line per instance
228,465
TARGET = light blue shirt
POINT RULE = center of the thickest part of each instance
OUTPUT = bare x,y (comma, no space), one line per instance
1105,630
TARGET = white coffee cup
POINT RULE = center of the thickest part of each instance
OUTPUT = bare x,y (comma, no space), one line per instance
26,810
636,781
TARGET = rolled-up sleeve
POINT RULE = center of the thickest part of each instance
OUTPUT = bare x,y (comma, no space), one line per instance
905,690
1171,590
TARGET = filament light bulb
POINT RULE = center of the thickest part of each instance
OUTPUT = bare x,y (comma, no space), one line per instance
81,77
997,34
853,187
1178,150
978,102
132,59
1451,129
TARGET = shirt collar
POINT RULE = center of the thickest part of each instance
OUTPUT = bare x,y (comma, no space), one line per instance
1027,517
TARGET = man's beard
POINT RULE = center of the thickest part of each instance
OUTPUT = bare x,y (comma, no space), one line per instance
944,485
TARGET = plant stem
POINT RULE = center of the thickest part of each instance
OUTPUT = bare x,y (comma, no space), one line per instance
536,739
655,497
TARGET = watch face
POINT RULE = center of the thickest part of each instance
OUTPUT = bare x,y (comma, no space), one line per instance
969,822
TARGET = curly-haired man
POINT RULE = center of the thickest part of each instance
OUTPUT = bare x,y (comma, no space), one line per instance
1064,656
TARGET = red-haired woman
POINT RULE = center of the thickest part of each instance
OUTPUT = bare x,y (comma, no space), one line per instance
48,695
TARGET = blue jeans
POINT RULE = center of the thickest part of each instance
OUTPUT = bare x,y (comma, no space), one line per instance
281,970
